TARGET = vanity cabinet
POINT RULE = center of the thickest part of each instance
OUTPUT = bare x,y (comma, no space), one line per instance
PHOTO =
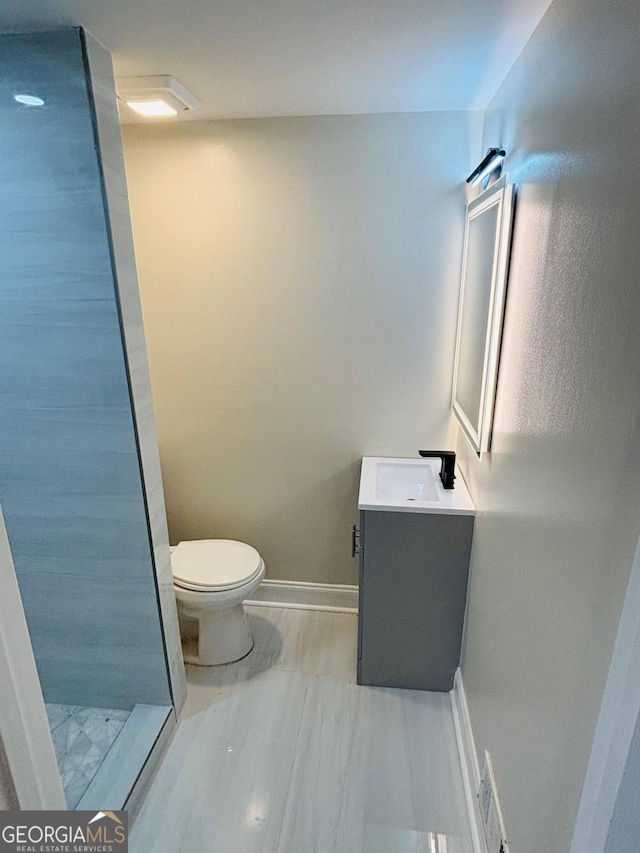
414,569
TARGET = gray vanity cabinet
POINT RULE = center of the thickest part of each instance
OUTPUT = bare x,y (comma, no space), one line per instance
414,570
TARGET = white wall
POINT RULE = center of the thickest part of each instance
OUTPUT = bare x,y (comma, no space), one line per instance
612,756
299,282
559,497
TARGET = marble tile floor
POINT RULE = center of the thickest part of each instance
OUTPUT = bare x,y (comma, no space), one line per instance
284,753
82,737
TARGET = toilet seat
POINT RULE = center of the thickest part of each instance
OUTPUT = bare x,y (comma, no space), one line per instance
214,565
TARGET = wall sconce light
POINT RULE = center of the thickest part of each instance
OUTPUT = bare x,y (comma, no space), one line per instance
493,159
155,97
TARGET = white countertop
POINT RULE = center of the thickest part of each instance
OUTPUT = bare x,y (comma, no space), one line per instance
410,485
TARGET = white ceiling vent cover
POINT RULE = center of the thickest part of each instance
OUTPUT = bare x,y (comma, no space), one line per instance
140,94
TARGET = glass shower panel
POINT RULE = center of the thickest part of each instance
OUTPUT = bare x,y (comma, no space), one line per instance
70,478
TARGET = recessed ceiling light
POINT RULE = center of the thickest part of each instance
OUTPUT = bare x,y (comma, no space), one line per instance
151,109
155,97
29,100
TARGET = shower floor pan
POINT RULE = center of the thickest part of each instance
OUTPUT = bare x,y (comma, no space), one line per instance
101,751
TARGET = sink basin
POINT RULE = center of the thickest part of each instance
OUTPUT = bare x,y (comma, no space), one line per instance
398,481
410,485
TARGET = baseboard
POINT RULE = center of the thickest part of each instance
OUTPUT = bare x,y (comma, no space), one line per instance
468,762
339,598
301,595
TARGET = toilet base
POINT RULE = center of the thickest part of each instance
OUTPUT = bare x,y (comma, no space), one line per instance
223,636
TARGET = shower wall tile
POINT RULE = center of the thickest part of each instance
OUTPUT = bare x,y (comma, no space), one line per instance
109,140
70,481
103,651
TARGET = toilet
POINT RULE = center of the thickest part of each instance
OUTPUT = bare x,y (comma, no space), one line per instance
211,578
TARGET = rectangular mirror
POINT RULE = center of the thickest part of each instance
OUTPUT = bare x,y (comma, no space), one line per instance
485,268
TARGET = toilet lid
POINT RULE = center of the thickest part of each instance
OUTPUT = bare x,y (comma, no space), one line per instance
214,564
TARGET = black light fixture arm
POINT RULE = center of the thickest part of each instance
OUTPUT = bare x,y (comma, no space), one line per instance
492,154
448,467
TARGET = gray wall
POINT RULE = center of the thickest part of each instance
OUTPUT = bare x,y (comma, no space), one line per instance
70,480
559,496
7,794
299,282
624,830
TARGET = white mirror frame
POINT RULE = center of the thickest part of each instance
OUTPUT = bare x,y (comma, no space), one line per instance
502,195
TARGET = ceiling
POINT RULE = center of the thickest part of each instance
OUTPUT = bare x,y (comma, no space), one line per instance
245,58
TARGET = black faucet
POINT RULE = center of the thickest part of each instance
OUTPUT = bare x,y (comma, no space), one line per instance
448,467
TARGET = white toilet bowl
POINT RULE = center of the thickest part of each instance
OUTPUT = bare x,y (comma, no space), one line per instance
211,578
